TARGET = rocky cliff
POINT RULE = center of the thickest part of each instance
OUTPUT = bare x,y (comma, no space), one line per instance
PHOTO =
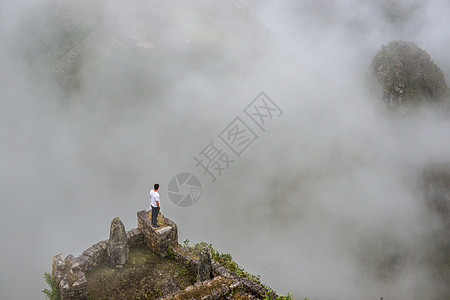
402,73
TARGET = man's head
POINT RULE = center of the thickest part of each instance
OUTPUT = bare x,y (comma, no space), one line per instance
156,186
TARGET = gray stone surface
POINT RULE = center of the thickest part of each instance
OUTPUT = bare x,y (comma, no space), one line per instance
221,270
59,262
163,231
117,250
225,289
215,294
170,286
204,267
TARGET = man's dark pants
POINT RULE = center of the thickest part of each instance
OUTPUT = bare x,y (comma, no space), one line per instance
155,211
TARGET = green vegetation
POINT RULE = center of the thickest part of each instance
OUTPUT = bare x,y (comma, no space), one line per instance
53,292
268,296
144,273
170,253
143,276
225,259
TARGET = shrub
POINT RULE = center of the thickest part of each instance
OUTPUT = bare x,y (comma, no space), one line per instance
53,292
170,253
269,296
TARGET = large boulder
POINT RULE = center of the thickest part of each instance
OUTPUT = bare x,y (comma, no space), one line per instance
402,73
118,245
204,267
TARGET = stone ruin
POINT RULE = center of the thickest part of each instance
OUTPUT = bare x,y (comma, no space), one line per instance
158,239
117,249
69,272
204,267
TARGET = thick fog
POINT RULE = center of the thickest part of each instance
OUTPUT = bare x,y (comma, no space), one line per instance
322,204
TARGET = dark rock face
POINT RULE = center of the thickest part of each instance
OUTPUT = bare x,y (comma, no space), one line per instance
204,267
118,246
402,73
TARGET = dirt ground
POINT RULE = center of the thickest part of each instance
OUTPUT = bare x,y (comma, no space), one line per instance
144,276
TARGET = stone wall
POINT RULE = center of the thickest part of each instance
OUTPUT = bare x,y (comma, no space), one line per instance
244,286
158,239
70,279
222,288
69,272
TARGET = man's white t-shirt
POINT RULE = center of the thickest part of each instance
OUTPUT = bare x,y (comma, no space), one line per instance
154,196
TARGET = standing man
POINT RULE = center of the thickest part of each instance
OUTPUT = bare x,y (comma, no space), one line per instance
154,202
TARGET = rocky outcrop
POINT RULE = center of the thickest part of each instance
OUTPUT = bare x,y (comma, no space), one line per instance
204,267
118,244
69,273
402,73
232,287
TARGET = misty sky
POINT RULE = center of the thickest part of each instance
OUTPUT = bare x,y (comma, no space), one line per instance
317,205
